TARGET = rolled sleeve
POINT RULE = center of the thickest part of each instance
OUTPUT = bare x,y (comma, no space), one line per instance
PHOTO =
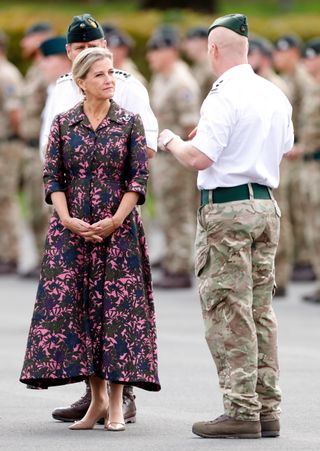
53,173
137,168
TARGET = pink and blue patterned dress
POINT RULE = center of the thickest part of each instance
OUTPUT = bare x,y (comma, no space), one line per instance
94,311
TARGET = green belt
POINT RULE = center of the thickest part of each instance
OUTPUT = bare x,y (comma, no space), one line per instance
240,192
312,156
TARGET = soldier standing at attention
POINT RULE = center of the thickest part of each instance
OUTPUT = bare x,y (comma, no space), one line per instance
309,145
34,99
10,159
174,95
287,60
85,32
244,130
196,49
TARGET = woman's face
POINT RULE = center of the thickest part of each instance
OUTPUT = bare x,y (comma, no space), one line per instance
100,81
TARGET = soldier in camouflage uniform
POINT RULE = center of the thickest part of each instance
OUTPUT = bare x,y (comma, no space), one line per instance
10,158
196,49
309,144
260,57
34,98
287,60
174,96
244,129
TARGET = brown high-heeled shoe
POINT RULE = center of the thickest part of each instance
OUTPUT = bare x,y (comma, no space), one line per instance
86,424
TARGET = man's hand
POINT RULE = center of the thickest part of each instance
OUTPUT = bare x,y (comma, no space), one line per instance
294,153
165,137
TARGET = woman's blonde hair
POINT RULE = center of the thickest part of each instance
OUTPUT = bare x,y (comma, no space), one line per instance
83,62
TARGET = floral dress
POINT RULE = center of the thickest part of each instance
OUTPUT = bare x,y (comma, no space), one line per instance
94,310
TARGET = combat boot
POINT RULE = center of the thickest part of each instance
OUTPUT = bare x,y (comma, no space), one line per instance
78,409
227,427
270,428
171,281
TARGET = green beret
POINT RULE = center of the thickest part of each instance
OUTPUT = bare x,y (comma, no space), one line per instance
84,28
39,27
235,22
54,46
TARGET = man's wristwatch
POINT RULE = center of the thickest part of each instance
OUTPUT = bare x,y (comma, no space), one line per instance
169,139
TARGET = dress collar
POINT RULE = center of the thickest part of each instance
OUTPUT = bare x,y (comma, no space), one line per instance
115,114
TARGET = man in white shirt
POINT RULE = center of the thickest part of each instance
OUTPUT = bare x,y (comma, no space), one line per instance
244,130
85,32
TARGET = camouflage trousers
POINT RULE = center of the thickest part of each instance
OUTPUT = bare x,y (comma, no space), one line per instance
38,211
294,242
236,245
311,182
10,160
175,192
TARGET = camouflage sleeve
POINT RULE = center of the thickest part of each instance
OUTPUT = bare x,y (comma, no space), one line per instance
187,104
11,93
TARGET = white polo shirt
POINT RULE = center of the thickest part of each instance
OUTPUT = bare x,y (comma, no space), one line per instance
129,94
245,128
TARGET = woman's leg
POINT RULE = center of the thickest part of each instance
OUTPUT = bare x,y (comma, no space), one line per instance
98,406
116,420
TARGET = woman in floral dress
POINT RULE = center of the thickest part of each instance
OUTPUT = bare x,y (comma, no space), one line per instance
94,312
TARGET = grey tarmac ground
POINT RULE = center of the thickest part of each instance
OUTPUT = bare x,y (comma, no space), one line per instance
189,383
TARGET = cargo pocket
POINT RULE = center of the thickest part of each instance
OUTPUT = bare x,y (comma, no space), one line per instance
214,284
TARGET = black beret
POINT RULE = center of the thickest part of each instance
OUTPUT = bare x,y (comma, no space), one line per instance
288,41
261,45
312,48
197,32
84,28
54,46
235,22
38,27
165,37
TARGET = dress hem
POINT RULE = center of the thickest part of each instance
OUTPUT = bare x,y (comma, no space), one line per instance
45,383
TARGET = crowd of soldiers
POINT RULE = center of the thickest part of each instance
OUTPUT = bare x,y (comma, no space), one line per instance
176,90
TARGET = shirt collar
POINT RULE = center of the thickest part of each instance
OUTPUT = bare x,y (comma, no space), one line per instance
234,72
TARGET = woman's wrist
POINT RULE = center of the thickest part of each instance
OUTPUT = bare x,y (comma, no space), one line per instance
116,221
65,220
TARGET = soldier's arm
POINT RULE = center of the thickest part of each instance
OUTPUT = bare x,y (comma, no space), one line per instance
184,151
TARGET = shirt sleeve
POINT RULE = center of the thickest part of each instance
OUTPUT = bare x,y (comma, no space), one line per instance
53,173
137,102
137,164
214,128
288,144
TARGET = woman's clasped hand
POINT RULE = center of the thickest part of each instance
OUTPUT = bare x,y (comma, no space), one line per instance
94,233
